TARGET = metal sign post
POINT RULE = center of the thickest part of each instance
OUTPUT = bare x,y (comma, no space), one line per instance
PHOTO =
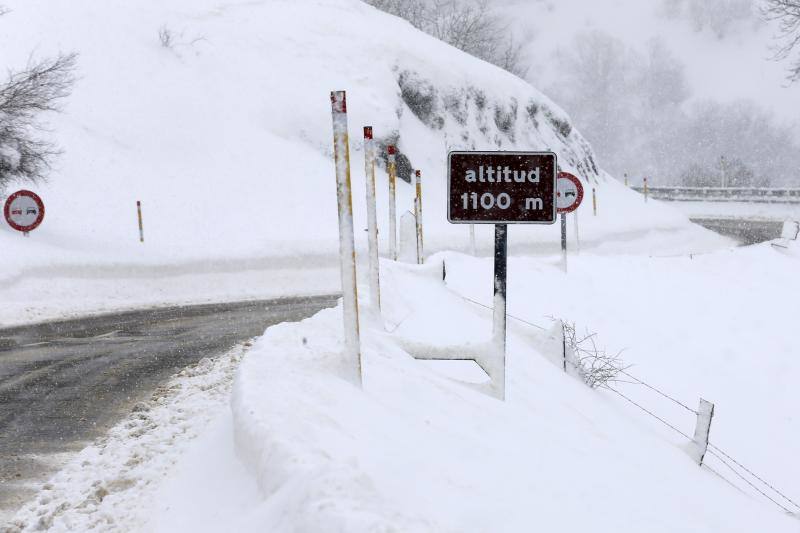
564,241
347,249
499,313
372,221
569,196
392,169
501,188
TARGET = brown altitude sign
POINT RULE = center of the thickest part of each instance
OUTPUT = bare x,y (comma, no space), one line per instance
501,187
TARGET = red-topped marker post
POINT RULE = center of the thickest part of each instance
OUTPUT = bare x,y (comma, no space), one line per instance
372,220
347,249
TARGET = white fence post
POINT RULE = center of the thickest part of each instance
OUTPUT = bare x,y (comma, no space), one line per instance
347,250
705,412
372,221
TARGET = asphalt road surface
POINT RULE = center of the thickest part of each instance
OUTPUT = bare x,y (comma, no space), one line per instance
62,384
743,230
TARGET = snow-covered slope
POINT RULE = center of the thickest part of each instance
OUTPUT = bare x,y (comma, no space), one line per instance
225,135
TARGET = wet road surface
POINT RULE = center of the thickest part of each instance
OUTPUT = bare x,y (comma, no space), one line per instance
65,383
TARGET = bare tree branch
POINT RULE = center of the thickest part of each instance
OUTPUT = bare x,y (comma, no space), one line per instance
787,14
37,89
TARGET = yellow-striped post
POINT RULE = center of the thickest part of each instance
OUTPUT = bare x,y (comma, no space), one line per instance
645,189
418,216
139,213
391,152
347,249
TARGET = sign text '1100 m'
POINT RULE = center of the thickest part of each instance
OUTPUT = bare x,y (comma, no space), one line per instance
502,187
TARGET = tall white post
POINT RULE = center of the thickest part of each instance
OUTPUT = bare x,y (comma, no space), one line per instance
347,250
392,202
418,216
372,221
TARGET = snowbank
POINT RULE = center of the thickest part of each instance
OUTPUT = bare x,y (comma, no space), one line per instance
111,484
417,450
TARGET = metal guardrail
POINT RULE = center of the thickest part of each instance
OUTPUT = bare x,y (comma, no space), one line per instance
724,194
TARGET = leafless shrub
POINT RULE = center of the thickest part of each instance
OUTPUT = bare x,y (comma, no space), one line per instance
4,10
25,95
787,14
166,36
469,25
596,366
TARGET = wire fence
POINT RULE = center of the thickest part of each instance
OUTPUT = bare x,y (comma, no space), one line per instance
726,459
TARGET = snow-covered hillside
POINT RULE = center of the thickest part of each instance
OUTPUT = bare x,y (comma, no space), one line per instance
225,134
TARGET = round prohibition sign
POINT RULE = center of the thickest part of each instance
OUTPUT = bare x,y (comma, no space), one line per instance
24,211
569,192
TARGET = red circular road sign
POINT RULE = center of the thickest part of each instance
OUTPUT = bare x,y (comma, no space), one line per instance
569,192
24,211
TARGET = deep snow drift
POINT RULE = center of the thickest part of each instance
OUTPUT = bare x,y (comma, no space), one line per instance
225,137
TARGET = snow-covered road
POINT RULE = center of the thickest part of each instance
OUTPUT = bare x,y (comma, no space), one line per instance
63,384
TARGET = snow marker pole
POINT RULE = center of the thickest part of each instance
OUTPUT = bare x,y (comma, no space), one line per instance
347,251
141,227
577,235
499,315
392,202
645,189
705,412
626,179
372,221
418,215
594,201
